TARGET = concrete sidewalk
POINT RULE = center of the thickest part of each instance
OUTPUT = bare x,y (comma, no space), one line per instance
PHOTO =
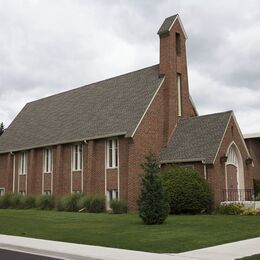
227,251
73,251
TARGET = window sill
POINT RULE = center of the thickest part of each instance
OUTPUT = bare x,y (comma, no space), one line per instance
47,172
22,174
76,171
112,168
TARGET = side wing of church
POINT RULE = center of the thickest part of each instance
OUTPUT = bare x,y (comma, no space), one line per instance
93,139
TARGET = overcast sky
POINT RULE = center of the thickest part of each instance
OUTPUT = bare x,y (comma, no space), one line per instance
48,46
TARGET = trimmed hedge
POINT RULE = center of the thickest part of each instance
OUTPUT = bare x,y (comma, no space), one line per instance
118,206
186,191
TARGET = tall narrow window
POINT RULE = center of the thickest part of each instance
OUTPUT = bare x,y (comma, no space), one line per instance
179,94
178,43
2,192
77,157
47,167
23,163
112,153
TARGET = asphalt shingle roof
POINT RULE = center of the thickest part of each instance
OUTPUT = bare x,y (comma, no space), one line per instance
196,138
110,107
165,27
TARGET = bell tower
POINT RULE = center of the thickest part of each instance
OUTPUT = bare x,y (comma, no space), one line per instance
173,66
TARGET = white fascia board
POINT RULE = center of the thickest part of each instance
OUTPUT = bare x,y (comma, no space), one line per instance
182,27
147,108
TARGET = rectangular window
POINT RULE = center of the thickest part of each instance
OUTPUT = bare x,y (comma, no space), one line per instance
47,167
179,94
2,192
47,192
112,153
23,163
111,195
77,157
22,192
178,43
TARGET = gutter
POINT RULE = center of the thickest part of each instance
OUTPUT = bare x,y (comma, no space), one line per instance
65,142
184,160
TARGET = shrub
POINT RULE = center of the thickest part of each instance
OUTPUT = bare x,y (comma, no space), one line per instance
230,209
95,204
45,202
118,207
69,202
250,212
186,191
5,201
15,201
83,203
153,205
28,202
257,187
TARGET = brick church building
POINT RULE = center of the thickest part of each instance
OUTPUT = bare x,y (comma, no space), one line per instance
93,139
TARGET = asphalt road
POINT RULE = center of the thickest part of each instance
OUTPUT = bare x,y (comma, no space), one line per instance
14,255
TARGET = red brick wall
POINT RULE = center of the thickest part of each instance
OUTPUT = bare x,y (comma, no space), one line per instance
5,172
253,145
216,172
170,65
149,136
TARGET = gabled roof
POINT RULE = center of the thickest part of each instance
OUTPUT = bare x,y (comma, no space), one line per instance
168,23
106,108
252,135
196,139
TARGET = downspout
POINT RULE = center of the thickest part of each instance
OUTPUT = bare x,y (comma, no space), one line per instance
205,171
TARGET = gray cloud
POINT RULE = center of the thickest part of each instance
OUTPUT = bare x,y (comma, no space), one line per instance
51,46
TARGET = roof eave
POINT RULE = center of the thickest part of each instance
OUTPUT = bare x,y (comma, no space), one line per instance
65,142
202,160
182,27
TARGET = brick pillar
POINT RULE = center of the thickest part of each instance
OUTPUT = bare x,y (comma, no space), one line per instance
88,178
9,170
31,174
57,177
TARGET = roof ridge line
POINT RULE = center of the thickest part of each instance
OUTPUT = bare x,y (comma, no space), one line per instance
88,85
212,114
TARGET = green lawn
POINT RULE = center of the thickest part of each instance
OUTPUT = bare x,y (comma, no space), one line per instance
253,257
178,234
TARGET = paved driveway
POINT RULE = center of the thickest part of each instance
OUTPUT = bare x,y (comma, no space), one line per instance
8,255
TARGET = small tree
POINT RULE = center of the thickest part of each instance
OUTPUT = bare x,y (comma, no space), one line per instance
2,128
153,205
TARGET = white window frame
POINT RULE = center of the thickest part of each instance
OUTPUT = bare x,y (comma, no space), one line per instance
179,94
23,192
112,152
48,160
23,164
47,192
111,195
77,157
2,192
